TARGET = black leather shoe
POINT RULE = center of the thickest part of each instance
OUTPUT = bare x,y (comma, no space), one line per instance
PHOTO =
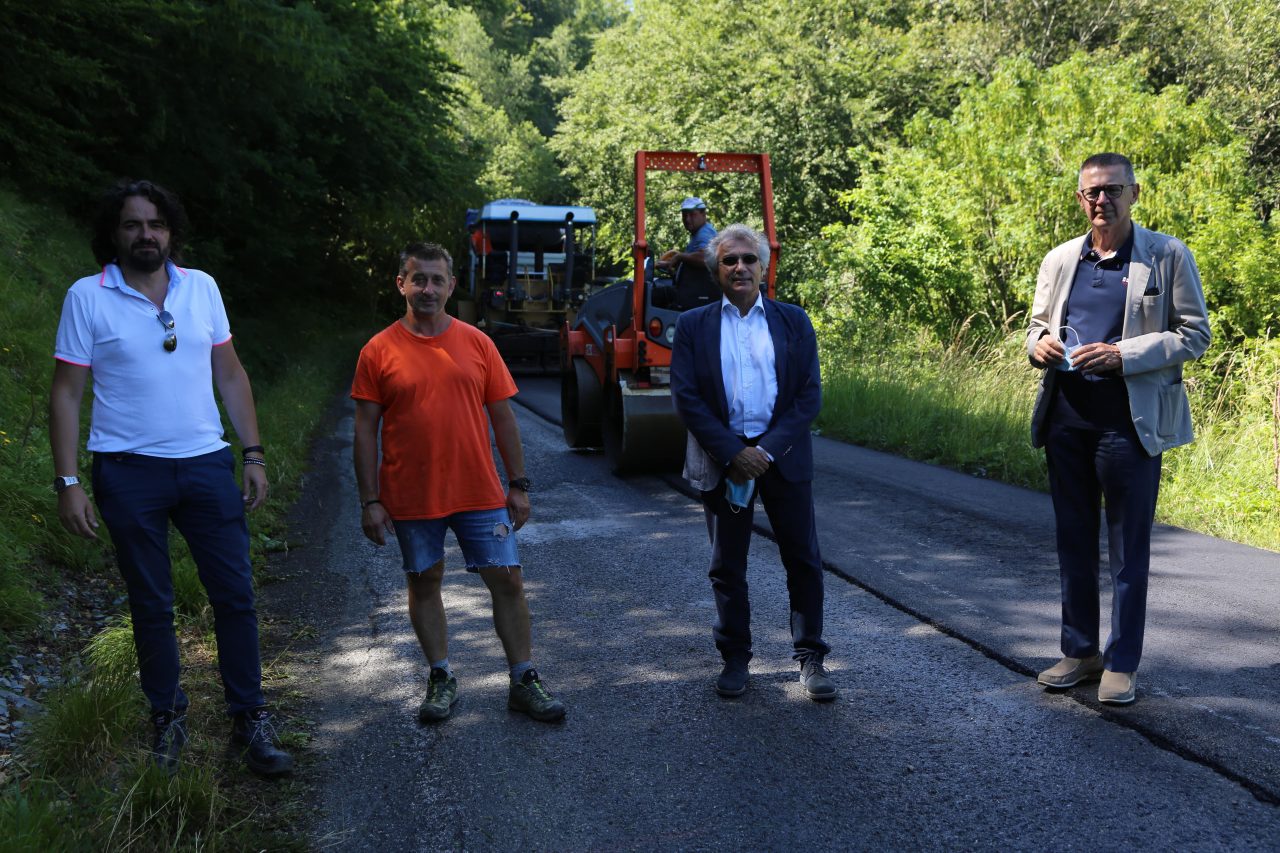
170,728
732,680
254,733
817,685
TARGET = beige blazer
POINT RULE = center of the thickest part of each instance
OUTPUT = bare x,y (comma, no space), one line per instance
1165,324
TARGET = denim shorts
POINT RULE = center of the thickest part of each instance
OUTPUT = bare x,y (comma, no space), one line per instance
484,535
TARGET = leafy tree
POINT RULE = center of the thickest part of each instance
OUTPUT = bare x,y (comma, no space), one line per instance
508,89
307,139
949,227
816,85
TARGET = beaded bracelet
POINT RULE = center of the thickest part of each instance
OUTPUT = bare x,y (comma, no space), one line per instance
250,461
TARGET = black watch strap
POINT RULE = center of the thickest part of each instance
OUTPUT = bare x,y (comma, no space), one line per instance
524,484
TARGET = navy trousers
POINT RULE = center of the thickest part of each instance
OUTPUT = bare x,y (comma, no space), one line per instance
137,497
790,510
1086,466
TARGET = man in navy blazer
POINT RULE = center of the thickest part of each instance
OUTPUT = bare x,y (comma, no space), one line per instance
745,380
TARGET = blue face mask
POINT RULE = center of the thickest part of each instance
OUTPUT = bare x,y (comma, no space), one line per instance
738,495
1070,343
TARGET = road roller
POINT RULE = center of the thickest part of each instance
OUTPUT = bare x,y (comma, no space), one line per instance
615,355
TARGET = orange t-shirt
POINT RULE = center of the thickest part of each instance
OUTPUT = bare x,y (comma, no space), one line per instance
436,457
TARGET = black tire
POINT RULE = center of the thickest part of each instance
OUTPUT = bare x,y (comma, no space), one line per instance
615,430
580,405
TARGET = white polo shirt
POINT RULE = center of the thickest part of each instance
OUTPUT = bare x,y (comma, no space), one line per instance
145,399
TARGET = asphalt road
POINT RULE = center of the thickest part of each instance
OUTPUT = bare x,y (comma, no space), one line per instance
940,603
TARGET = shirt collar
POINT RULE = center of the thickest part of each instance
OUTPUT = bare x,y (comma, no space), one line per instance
1123,254
113,277
757,305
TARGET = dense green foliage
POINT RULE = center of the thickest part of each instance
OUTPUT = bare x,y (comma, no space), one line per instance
513,63
970,203
307,140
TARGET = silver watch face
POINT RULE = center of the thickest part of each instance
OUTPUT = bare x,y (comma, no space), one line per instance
61,483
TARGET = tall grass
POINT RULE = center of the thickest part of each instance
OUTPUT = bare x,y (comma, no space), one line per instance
968,405
84,779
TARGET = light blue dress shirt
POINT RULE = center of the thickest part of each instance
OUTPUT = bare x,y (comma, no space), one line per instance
747,366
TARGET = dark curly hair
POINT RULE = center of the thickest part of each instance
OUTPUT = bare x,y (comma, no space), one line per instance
108,218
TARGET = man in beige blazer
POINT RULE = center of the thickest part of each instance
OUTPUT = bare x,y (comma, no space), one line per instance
1116,313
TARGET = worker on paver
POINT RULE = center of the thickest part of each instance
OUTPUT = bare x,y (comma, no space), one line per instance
745,380
432,386
693,214
1115,315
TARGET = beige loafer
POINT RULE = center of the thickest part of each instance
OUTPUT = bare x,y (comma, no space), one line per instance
1069,672
1118,688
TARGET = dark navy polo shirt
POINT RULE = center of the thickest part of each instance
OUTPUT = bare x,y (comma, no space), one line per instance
1095,310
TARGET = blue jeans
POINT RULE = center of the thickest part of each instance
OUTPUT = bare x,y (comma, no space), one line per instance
137,497
485,536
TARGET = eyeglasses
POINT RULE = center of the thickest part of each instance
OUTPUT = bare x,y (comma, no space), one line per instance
1112,190
171,339
732,260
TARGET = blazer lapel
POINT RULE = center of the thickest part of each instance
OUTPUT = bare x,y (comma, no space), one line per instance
1066,277
713,361
781,352
1139,275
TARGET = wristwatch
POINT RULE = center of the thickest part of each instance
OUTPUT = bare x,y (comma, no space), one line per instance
524,484
61,484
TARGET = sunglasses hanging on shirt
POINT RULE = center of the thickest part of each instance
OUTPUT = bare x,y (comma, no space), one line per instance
170,338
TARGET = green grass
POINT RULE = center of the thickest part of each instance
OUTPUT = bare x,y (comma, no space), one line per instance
82,777
968,407
41,253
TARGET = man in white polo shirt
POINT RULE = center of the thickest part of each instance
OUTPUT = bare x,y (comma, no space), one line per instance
156,339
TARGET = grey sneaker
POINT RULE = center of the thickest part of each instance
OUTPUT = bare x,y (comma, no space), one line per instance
442,695
817,685
170,736
1069,672
531,697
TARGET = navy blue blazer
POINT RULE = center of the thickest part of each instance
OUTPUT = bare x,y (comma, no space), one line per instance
697,387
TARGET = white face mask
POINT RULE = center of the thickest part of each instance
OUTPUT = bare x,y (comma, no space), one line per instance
1070,343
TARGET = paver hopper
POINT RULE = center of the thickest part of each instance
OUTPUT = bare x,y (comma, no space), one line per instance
529,267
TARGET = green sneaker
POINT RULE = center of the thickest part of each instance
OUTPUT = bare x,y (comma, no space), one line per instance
530,695
442,693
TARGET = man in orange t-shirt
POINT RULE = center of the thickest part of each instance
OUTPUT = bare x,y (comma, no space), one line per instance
434,385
